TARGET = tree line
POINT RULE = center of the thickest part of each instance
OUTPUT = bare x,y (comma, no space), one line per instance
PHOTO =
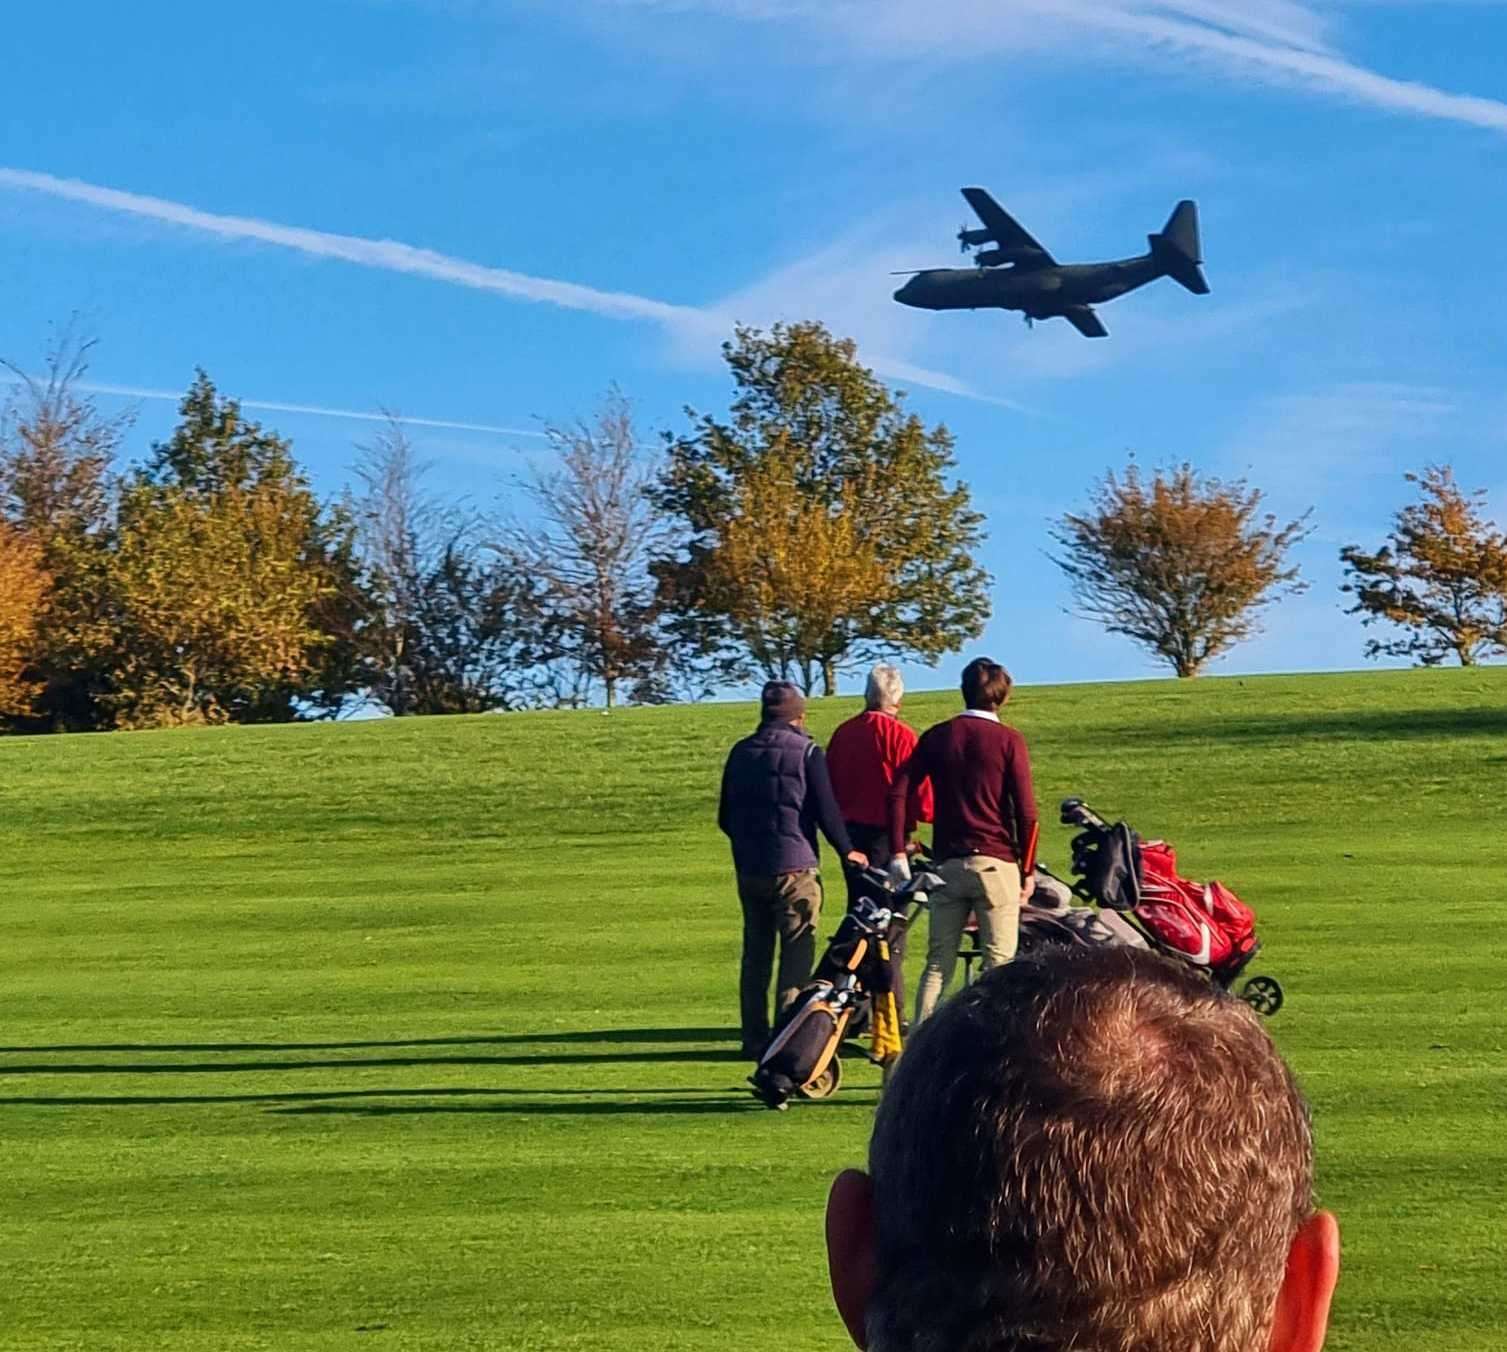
814,527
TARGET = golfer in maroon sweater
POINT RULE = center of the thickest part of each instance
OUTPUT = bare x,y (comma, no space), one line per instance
984,839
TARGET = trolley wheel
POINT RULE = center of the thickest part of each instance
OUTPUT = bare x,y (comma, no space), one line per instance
1263,994
825,1084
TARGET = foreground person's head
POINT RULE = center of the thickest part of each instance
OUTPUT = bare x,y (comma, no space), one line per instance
1092,1151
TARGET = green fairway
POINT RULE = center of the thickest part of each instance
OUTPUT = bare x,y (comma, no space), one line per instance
421,1033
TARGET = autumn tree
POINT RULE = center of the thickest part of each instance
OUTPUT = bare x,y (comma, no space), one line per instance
789,572
875,547
1441,577
57,486
231,588
584,529
448,629
23,593
1181,564
214,603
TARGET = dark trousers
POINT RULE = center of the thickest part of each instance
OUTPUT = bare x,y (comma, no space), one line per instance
874,841
784,907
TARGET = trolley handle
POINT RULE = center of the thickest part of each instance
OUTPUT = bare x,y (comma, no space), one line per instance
922,881
1075,812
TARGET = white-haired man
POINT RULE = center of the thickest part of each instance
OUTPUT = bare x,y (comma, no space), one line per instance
862,758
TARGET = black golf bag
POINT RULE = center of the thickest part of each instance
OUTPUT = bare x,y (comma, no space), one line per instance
852,976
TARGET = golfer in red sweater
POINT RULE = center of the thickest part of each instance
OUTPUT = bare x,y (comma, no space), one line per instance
984,839
862,758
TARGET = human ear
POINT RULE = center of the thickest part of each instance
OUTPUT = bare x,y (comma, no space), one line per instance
1313,1268
850,1250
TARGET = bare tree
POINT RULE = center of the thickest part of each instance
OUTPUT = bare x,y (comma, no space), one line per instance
447,630
57,451
585,530
395,521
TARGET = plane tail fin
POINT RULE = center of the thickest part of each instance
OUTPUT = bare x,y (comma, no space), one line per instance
1178,250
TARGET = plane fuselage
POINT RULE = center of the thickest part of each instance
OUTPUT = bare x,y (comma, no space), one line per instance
1040,293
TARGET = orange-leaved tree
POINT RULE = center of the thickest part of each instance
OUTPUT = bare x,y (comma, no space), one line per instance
1441,577
788,571
23,593
809,420
58,488
1180,563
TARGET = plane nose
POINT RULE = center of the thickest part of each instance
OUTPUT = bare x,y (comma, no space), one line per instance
904,294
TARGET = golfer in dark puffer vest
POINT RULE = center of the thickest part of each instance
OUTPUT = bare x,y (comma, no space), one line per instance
775,795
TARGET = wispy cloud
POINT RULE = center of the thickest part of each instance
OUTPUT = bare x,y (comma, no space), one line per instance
1263,41
688,325
1324,71
1319,445
277,406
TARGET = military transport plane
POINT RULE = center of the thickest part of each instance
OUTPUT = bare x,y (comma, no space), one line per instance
1018,274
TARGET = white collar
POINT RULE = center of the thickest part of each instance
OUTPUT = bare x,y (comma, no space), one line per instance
980,713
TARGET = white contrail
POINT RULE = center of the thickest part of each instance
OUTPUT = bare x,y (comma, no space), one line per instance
388,255
277,406
385,254
319,411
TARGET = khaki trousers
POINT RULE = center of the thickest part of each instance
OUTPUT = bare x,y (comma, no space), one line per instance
988,887
787,907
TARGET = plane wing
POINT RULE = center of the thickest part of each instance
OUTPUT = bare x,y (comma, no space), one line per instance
1007,231
1083,318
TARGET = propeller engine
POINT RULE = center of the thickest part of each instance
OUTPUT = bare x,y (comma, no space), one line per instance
969,239
993,258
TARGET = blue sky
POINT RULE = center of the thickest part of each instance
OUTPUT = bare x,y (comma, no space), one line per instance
482,213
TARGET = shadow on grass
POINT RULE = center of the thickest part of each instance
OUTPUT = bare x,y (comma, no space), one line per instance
611,1036
328,1099
367,1063
666,1107
1358,724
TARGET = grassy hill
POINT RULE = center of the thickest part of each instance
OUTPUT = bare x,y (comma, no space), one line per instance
420,1034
